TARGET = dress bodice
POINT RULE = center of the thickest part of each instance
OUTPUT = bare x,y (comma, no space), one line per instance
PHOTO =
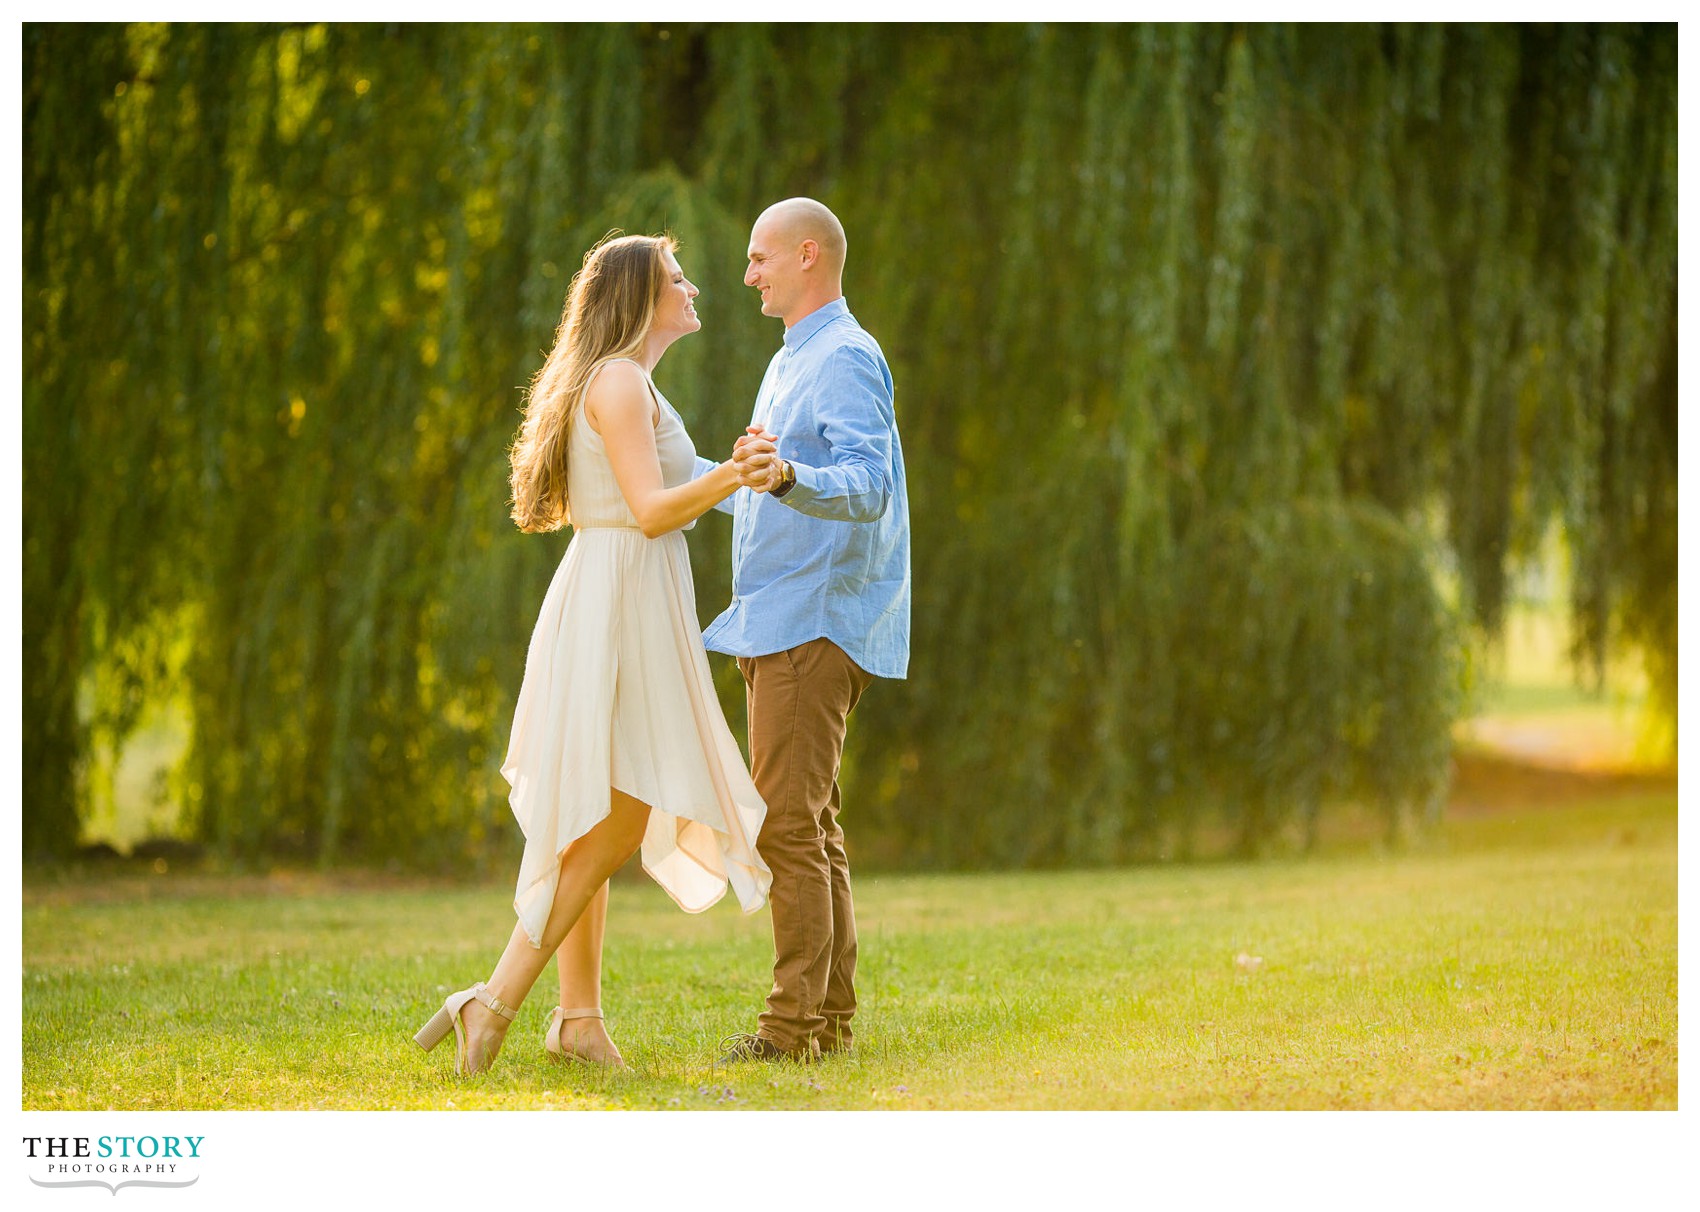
593,494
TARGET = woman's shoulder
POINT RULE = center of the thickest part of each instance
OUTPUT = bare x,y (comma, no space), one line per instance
621,373
619,384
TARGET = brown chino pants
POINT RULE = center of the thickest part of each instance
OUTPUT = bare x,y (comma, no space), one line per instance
799,701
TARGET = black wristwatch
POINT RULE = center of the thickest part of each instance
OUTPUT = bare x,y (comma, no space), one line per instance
787,479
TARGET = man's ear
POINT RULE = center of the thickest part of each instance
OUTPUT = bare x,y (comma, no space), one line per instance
811,253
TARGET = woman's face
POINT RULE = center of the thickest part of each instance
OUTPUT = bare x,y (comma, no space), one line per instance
676,313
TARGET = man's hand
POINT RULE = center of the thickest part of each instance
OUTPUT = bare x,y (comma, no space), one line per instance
757,460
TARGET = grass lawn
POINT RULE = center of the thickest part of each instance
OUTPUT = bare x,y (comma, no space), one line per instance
1524,957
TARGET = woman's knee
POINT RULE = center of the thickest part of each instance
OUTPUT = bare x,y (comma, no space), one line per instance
628,819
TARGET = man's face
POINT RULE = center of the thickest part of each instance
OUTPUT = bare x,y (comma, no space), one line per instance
775,269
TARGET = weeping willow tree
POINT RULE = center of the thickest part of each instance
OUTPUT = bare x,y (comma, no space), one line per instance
1217,350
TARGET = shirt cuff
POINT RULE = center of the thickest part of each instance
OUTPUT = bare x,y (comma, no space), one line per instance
806,488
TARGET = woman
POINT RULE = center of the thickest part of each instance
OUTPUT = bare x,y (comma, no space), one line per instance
618,739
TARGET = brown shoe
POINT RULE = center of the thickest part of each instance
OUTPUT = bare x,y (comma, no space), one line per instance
744,1047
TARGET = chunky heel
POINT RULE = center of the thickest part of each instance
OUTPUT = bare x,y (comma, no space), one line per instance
448,1018
432,1033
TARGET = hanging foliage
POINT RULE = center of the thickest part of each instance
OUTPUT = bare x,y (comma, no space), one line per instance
1213,345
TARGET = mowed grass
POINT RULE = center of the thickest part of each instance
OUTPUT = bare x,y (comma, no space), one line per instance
1523,957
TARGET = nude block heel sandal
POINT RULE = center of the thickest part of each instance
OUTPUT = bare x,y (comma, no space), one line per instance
448,1019
559,1052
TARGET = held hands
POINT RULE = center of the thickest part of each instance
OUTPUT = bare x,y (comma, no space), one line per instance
755,458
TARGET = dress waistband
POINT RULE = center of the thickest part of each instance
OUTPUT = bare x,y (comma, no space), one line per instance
606,526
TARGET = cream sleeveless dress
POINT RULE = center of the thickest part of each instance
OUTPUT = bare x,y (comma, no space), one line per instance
617,692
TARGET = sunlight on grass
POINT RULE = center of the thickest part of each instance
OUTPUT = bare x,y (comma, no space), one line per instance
1530,703
1522,958
1531,670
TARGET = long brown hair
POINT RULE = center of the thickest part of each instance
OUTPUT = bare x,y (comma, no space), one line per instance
610,310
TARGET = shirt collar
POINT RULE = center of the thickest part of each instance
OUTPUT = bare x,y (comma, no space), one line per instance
812,323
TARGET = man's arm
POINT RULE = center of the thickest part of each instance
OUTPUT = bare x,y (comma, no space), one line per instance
859,424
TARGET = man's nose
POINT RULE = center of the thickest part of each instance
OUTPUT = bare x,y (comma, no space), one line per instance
750,276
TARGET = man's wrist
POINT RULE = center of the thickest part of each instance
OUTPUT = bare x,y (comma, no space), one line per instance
787,479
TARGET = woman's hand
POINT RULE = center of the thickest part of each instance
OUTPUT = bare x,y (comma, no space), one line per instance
756,459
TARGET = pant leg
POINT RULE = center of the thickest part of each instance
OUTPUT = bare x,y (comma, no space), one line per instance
799,701
840,1004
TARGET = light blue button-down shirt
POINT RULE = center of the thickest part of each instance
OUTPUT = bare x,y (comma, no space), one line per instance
831,557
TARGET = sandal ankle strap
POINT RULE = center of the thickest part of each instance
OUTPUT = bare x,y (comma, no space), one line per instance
493,1003
588,1012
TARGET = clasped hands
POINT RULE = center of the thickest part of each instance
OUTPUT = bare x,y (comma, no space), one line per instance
755,457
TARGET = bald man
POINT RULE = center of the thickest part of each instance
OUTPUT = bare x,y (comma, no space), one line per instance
820,608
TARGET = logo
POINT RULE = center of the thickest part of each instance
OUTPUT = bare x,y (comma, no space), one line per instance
113,1162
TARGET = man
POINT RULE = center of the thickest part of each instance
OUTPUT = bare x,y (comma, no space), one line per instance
820,608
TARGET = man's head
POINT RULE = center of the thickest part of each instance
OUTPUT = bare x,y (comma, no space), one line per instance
796,256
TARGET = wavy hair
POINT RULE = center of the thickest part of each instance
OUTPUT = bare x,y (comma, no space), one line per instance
609,312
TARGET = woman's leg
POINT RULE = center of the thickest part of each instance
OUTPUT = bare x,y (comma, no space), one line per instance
579,964
585,868
579,961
